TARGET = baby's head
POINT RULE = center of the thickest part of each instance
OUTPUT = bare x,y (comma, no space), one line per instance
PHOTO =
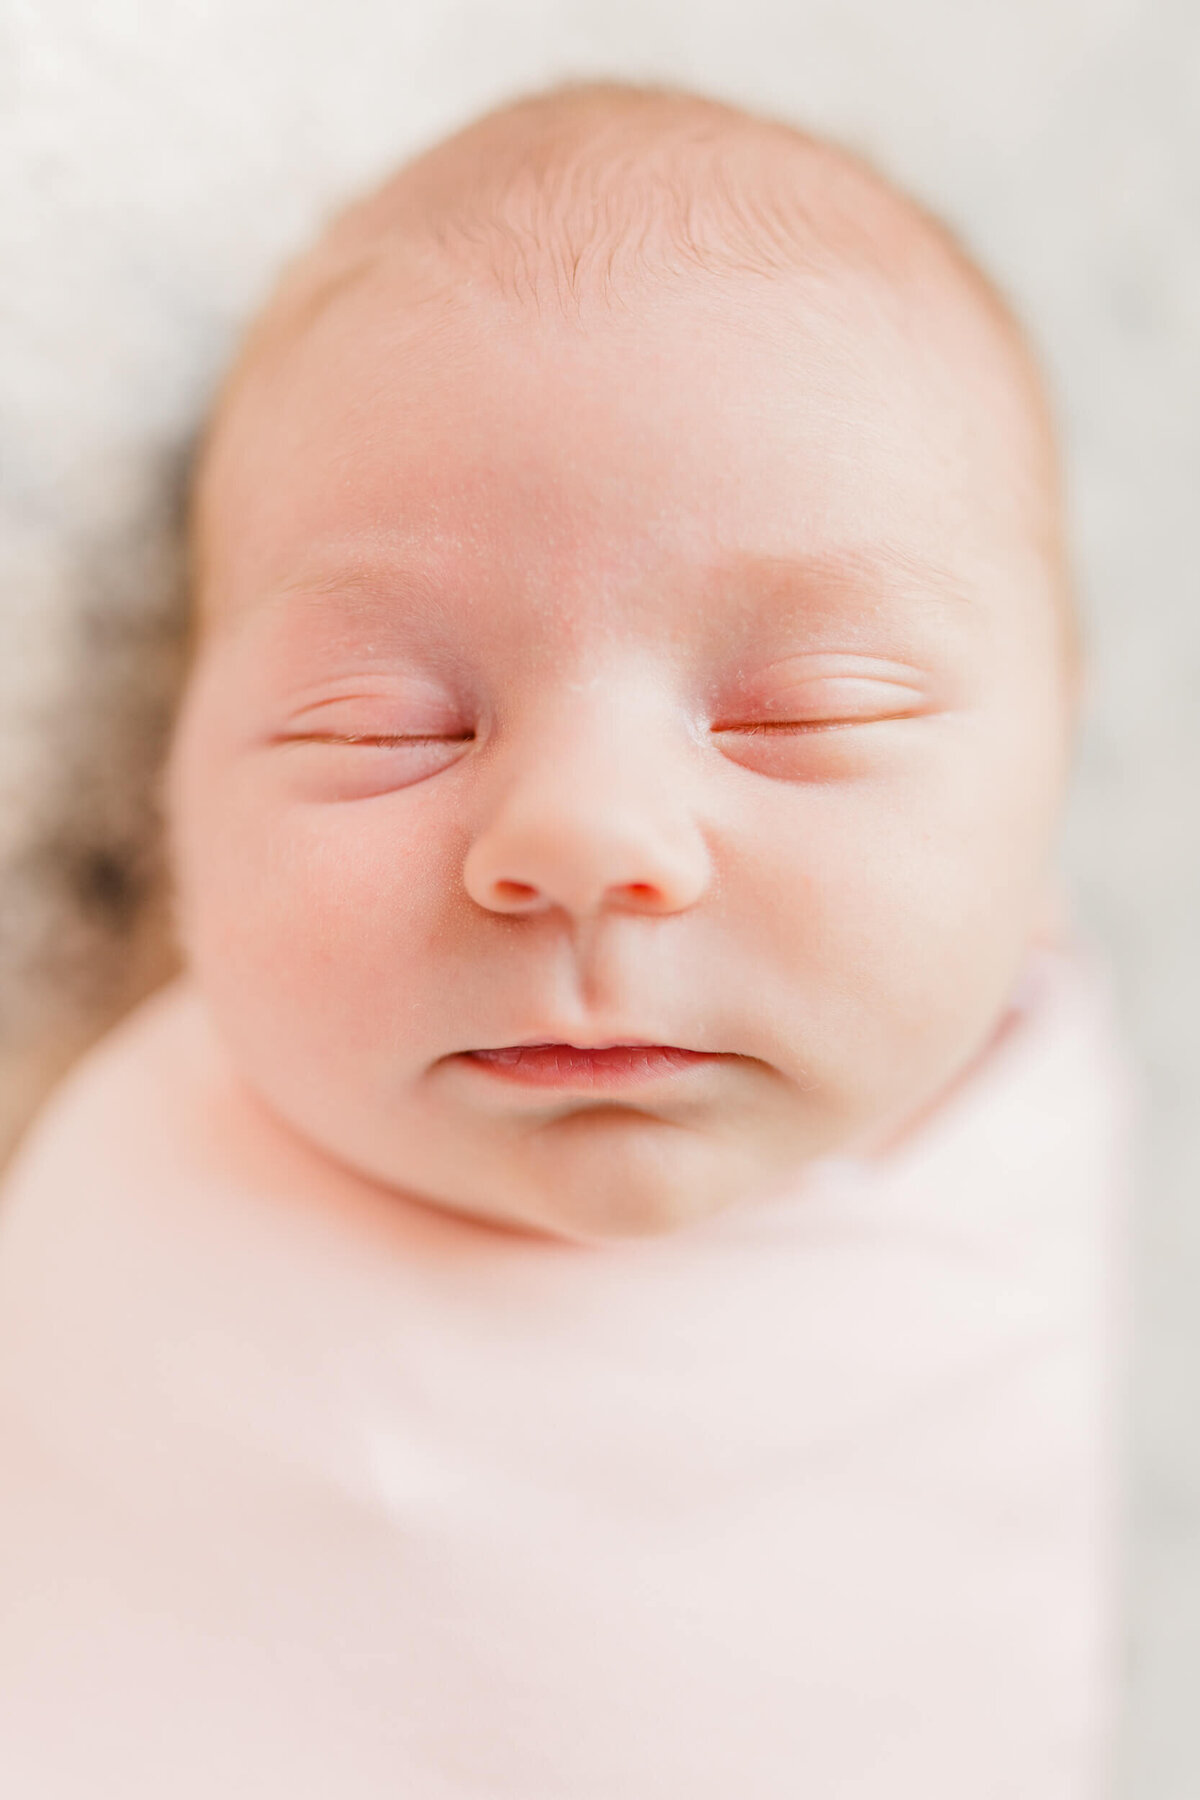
631,611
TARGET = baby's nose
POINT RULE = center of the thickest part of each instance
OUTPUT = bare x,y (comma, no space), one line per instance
584,846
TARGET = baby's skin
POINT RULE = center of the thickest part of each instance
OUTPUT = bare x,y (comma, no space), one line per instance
633,690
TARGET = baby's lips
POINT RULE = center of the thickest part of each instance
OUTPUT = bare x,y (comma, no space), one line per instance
574,1065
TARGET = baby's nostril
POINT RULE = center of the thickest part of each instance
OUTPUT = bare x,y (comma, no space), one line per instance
514,892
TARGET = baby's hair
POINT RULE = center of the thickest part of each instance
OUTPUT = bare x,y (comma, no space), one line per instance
585,190
588,194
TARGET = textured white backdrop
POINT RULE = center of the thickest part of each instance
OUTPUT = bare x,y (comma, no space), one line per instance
155,165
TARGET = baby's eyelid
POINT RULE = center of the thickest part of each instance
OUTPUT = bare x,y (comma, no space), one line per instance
829,700
397,710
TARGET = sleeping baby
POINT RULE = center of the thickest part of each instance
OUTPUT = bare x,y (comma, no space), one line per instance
597,1282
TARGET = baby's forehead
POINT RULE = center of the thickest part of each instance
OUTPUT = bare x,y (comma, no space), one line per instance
581,206
576,210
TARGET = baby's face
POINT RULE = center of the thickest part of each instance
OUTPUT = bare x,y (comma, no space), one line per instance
688,679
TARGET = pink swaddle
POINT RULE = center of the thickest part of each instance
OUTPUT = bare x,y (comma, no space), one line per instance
310,1490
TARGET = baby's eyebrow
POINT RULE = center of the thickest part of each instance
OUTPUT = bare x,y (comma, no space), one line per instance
859,572
358,573
366,581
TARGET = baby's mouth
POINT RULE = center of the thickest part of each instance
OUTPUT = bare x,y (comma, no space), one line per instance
589,1068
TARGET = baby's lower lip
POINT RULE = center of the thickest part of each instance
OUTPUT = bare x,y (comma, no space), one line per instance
566,1065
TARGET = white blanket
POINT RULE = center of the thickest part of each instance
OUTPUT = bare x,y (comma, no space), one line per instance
312,1491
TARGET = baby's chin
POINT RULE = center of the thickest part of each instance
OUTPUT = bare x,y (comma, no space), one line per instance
607,1175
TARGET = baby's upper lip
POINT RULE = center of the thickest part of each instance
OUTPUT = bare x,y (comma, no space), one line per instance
546,1041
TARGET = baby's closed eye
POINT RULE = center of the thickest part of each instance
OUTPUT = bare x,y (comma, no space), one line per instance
359,741
772,727
352,745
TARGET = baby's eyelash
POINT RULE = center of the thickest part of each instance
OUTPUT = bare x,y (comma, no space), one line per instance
379,740
767,727
775,727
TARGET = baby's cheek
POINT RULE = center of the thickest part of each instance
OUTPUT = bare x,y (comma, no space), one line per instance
898,921
358,888
309,918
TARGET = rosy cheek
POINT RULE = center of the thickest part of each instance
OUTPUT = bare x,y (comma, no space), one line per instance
369,867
